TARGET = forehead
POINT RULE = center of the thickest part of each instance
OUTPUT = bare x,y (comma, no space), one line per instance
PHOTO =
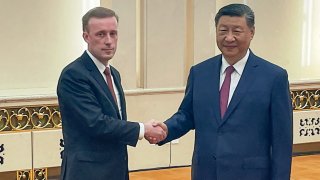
107,23
236,21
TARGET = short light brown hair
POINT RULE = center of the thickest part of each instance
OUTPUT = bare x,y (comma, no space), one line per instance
97,12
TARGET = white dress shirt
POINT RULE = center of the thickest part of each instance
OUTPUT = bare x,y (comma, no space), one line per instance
236,74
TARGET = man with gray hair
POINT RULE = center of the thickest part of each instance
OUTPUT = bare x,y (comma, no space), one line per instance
239,106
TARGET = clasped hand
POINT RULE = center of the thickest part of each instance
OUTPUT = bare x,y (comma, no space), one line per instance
155,131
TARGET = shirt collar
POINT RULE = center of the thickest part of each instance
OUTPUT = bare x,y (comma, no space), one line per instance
99,65
239,66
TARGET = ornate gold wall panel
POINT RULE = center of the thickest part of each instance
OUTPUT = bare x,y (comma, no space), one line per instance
24,175
40,174
35,174
28,118
305,99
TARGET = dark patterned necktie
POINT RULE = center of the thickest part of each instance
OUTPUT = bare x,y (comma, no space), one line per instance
110,84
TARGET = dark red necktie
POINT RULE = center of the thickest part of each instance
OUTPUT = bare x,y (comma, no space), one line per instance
109,82
224,91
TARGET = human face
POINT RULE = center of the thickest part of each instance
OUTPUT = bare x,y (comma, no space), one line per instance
233,37
101,36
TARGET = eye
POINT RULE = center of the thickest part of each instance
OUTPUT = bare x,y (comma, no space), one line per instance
238,30
100,34
113,33
222,30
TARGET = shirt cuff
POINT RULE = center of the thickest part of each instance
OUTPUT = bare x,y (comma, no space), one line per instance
141,133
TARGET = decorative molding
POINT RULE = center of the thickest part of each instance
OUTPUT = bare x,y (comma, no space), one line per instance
28,118
305,85
28,101
305,99
141,27
24,175
156,91
30,113
40,174
189,38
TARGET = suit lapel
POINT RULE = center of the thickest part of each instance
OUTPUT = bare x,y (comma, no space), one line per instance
99,78
117,82
206,88
247,77
216,88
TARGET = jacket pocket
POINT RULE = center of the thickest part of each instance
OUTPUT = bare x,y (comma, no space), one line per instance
256,163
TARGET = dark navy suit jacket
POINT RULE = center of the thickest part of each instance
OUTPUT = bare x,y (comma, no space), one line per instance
95,136
253,141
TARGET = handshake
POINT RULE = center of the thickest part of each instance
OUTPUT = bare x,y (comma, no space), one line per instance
154,131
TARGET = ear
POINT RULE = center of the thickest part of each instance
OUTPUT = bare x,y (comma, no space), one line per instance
253,29
85,36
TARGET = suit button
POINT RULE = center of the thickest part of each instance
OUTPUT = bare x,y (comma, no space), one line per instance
214,157
125,158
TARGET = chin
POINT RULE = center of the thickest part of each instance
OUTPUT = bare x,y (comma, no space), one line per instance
230,52
108,57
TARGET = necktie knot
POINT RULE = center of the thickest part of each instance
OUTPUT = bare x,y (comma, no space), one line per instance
107,71
229,70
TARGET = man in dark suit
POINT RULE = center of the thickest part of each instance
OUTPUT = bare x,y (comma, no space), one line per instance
93,107
239,106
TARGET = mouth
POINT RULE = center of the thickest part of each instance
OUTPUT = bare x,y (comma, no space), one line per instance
107,50
230,46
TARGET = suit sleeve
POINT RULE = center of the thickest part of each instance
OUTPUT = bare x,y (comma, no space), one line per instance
282,137
80,107
182,121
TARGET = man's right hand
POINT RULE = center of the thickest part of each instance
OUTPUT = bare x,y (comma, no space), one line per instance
155,131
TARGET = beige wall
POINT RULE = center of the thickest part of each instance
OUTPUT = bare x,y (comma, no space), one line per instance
38,38
158,41
159,106
125,58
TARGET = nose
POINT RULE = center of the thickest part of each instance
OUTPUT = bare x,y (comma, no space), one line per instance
229,37
107,39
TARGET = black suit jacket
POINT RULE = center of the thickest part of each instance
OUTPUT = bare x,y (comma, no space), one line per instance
95,136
